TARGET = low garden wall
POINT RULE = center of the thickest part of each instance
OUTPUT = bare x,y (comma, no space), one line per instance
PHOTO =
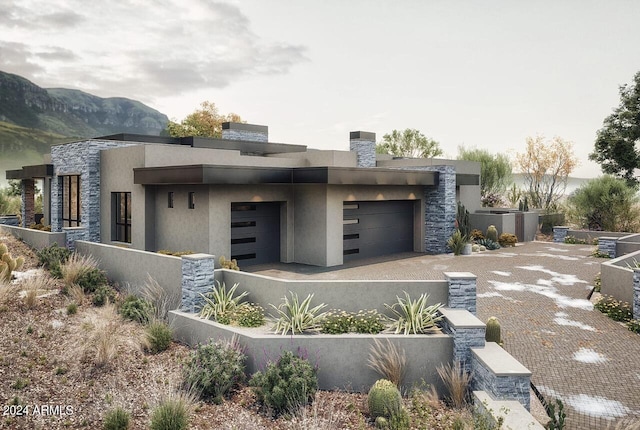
37,239
505,222
133,267
617,277
341,359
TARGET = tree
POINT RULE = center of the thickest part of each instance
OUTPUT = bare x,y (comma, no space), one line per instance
495,170
408,143
546,167
204,122
605,203
615,146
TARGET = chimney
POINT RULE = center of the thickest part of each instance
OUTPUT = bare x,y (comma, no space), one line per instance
241,131
364,144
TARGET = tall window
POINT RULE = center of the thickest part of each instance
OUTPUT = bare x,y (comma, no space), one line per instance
121,208
71,201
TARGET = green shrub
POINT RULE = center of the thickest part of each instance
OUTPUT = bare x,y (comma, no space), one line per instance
247,315
476,234
488,244
507,239
336,322
297,317
136,309
52,257
287,384
597,282
219,302
456,242
116,419
617,311
600,254
572,240
91,279
215,369
384,399
72,308
400,420
634,325
414,317
159,336
104,294
170,414
369,322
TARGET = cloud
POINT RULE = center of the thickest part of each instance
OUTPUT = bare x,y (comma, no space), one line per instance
139,48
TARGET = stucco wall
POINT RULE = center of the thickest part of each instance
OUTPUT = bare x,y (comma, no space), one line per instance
505,223
617,276
35,238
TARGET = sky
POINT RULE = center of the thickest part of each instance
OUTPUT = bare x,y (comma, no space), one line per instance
483,74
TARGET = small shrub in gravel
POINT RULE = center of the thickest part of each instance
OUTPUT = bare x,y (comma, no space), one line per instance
215,369
286,385
52,257
72,308
159,336
136,309
104,294
116,419
170,414
91,279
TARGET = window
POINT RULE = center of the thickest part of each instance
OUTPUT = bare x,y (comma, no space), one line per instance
192,200
121,208
71,201
170,203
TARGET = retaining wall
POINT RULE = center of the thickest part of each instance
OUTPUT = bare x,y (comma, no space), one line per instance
37,239
617,277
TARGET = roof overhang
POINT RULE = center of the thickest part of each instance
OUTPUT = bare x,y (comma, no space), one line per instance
237,175
467,179
31,172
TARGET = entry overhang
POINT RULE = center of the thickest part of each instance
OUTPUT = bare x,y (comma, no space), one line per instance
31,172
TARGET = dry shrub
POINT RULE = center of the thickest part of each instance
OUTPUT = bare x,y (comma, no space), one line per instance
8,291
388,360
457,380
322,414
76,293
161,300
76,266
33,286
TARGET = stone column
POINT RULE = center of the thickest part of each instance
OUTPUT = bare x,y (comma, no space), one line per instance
467,332
462,290
440,210
608,245
241,131
197,278
363,143
27,203
559,233
636,293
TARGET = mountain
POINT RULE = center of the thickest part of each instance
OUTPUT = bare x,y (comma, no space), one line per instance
73,113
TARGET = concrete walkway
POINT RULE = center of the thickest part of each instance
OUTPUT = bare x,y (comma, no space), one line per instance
538,291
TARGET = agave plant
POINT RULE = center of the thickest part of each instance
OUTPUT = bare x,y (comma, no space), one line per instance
297,317
414,317
219,301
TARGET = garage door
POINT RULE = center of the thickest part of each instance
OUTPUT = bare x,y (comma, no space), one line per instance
255,233
377,228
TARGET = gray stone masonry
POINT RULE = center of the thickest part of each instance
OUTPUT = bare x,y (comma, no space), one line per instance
440,210
73,234
27,203
9,220
636,293
197,278
467,332
241,131
80,158
504,378
363,143
559,233
608,245
462,290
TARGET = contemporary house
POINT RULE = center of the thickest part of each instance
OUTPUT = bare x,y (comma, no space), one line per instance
250,199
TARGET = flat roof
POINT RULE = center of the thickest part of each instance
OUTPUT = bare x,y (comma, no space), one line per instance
31,172
229,175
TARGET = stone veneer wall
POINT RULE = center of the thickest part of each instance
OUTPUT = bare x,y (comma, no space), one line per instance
636,293
462,290
559,233
80,158
252,136
363,143
197,278
440,210
608,245
467,332
27,202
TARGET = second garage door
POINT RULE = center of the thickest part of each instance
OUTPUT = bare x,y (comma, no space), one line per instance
377,228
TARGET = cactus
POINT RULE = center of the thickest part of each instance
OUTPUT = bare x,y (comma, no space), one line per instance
384,399
228,264
7,263
462,219
492,233
382,423
492,333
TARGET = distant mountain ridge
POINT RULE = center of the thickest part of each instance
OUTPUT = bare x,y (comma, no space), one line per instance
73,113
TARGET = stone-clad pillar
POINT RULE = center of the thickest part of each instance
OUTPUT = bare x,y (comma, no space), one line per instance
363,143
242,131
462,290
636,293
440,210
608,245
559,233
27,202
197,278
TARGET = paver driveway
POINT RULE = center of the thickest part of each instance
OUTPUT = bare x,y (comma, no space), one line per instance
538,290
